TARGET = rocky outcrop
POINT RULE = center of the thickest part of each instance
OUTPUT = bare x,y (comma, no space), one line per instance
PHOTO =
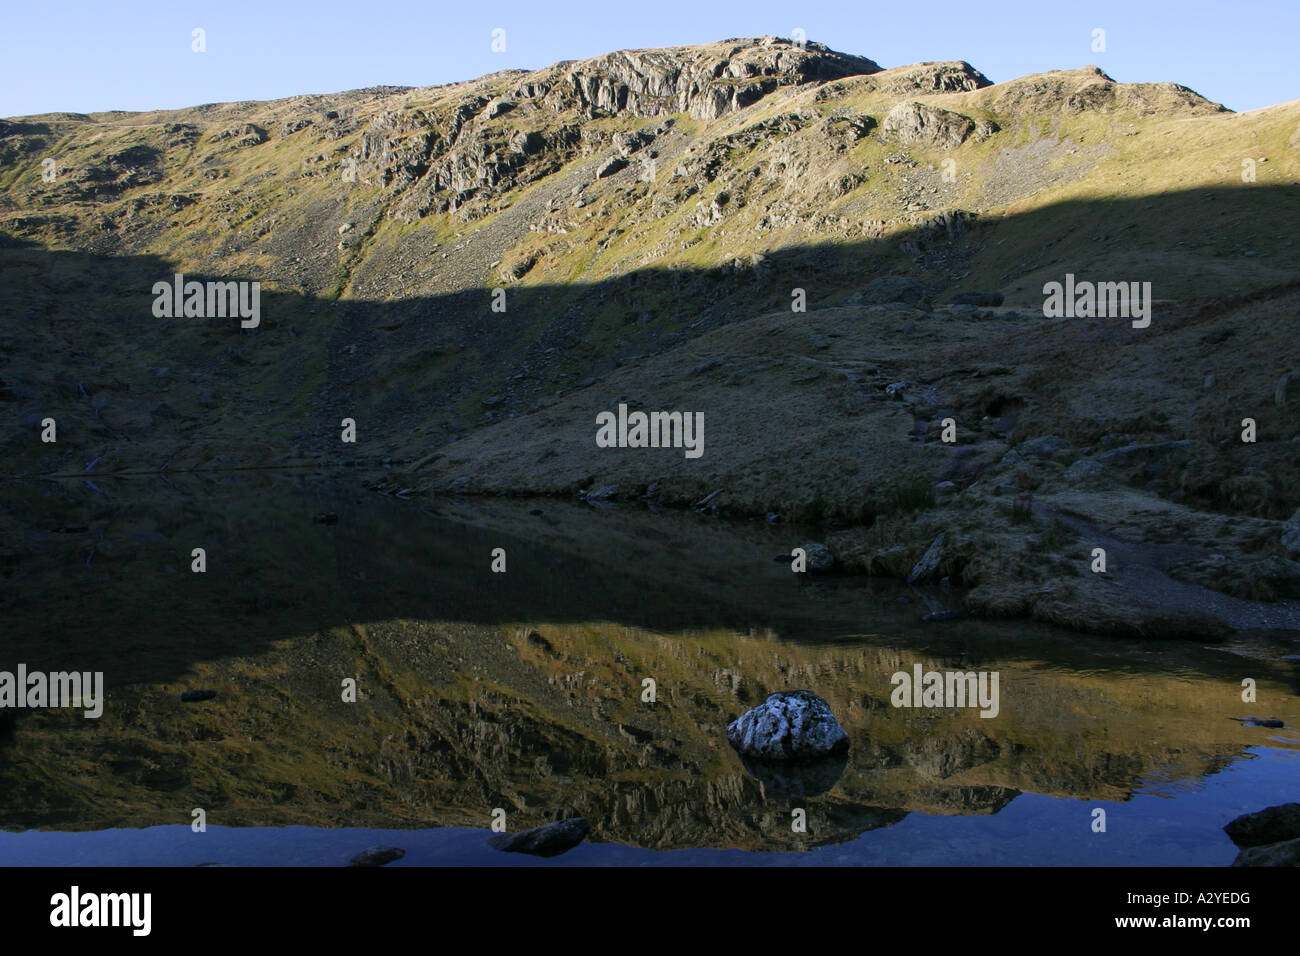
1092,90
928,566
954,77
706,82
916,124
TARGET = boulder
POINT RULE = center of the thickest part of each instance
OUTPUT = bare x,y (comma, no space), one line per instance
916,124
789,725
1272,825
611,166
885,289
929,562
1277,854
819,556
377,856
549,839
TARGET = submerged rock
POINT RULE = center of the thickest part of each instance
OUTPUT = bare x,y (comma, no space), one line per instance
789,725
1271,825
377,856
549,839
1277,854
936,616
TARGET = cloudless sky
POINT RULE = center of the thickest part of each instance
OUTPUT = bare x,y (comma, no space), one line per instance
136,54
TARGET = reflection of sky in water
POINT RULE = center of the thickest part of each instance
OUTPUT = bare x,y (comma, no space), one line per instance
1181,828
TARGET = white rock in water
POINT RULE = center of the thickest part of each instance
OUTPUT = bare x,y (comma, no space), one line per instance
788,726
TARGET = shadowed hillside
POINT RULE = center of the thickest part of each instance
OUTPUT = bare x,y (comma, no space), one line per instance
473,272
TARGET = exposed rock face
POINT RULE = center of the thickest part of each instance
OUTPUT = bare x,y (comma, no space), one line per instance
923,78
448,160
929,563
916,124
706,82
550,839
789,725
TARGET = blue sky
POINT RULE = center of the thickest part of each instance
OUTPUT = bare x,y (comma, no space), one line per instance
136,54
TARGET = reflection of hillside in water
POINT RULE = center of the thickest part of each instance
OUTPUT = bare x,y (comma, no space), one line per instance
524,690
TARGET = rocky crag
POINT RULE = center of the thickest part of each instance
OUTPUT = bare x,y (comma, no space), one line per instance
644,222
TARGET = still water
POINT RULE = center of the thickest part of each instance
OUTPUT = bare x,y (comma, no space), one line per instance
524,692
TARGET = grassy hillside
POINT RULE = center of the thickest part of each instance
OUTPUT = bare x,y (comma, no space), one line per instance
648,216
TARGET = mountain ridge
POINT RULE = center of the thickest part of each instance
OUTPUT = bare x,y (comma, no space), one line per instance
626,211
